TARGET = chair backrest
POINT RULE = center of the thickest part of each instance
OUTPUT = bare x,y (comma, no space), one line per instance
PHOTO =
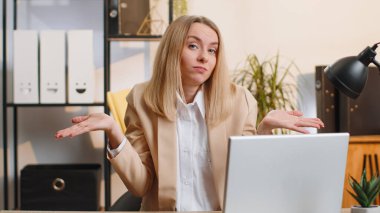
127,202
118,104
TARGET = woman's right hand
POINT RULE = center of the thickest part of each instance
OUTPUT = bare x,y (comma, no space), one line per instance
87,123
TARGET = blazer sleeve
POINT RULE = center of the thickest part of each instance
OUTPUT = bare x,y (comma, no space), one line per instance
134,163
250,120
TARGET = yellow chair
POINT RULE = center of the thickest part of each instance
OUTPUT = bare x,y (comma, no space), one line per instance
118,104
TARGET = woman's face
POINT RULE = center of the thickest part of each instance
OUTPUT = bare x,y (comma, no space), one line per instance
198,56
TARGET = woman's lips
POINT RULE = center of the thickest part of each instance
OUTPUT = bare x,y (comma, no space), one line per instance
200,69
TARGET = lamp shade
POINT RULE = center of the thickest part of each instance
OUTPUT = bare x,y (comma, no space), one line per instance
348,75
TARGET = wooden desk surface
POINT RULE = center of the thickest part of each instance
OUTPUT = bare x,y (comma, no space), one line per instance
4,211
24,211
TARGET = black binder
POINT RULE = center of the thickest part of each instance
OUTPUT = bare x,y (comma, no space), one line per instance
361,116
327,101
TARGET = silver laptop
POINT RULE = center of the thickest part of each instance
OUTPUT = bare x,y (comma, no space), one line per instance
286,173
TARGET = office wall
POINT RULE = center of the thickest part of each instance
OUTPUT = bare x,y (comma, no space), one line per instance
308,32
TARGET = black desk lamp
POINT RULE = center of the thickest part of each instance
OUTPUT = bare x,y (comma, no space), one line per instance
349,74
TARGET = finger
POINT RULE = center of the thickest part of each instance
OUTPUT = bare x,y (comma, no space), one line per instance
79,119
311,120
79,132
295,113
314,120
68,132
298,129
302,123
62,134
321,122
58,135
301,130
318,121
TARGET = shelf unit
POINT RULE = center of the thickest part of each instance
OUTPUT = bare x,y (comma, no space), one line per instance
16,107
107,39
4,98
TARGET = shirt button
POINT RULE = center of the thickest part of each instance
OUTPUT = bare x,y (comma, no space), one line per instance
187,182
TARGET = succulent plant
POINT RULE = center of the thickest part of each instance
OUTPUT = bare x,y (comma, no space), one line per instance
366,191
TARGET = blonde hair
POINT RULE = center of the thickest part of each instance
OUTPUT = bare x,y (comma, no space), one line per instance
160,93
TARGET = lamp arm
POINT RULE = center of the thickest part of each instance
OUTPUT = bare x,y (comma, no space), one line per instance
374,60
376,63
375,46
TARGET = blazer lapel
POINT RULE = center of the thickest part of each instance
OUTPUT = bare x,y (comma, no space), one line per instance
218,149
167,164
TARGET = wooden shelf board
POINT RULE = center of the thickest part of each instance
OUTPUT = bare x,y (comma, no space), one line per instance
365,139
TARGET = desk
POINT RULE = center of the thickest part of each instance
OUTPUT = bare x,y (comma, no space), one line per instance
2,211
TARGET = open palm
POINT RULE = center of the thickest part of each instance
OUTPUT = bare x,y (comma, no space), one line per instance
291,120
87,123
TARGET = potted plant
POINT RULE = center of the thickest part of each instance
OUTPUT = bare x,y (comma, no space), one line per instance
270,82
365,193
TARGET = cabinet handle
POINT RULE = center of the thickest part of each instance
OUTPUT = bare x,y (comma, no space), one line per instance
377,165
370,165
58,184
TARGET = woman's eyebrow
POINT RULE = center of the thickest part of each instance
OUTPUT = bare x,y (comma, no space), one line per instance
198,39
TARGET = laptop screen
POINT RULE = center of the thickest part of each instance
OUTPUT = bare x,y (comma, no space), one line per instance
286,173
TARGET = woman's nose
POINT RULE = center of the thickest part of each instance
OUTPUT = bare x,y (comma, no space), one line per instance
202,57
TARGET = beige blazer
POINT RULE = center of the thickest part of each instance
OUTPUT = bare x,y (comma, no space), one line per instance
147,165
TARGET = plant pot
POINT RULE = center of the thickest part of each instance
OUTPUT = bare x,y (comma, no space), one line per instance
359,209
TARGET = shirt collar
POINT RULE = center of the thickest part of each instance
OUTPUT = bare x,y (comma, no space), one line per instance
198,101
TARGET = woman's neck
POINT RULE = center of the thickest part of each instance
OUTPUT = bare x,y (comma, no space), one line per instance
190,92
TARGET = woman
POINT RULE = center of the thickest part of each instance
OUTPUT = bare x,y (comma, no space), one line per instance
178,123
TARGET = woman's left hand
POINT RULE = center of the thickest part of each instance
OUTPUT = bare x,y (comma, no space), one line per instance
291,120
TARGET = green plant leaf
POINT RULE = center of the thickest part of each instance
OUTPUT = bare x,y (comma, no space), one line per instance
374,189
358,189
367,191
268,81
373,183
363,181
363,203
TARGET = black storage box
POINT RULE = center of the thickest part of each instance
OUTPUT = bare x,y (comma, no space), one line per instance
67,187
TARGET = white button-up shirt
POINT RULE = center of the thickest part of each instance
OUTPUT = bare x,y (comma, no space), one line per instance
195,184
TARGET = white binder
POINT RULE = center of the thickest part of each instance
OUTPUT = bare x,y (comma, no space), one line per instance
52,66
81,69
25,76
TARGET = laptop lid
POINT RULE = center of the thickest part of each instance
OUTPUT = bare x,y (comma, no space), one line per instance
286,173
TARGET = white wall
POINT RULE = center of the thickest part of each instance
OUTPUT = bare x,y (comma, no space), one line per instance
308,32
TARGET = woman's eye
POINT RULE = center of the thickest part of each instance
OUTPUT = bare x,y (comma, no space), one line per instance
212,51
193,46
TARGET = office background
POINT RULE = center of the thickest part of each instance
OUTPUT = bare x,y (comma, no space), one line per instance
309,32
